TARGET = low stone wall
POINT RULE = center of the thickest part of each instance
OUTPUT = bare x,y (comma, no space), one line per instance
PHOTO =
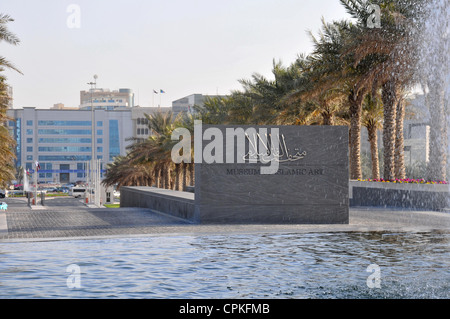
406,195
175,203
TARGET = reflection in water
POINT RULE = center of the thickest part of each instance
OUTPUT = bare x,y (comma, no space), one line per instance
323,265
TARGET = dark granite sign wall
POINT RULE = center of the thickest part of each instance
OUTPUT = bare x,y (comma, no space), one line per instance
309,185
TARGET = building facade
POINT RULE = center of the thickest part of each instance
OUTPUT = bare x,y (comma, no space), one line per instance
186,104
106,99
60,140
140,123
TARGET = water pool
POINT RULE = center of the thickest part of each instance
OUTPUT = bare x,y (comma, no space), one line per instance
315,265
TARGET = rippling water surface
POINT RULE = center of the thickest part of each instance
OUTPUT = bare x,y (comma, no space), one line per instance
411,265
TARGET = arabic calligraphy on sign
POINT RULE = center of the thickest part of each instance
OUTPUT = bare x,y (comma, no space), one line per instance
267,152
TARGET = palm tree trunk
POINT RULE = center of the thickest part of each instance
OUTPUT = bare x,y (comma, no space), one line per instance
191,174
327,118
355,100
373,140
163,177
389,114
167,177
184,165
177,177
157,176
399,145
438,132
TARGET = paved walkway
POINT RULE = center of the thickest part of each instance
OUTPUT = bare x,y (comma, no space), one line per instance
67,218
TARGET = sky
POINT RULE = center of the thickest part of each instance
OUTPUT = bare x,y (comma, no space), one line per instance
181,47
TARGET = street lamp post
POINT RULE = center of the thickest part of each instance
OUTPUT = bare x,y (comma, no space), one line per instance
91,179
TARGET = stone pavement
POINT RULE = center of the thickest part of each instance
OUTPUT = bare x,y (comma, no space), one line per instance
69,218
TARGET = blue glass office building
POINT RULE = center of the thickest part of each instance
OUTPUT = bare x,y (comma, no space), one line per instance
61,140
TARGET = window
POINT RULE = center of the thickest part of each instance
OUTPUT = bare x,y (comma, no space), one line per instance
64,123
29,123
99,132
29,166
62,132
100,157
71,149
29,132
80,169
41,175
29,157
68,140
99,149
146,131
139,121
61,158
114,143
18,136
99,141
138,131
99,123
29,140
11,123
29,148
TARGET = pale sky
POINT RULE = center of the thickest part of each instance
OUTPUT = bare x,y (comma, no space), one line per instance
182,47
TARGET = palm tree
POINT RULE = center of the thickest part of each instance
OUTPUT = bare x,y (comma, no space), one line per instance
214,110
186,120
147,162
399,157
263,99
335,68
6,141
391,51
10,38
372,118
122,172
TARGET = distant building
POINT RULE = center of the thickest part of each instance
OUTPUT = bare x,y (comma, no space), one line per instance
60,139
61,106
187,103
416,131
9,90
106,100
140,122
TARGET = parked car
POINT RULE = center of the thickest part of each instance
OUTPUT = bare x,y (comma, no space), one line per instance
2,193
3,206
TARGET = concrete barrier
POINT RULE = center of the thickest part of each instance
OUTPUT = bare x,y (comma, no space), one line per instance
405,195
174,203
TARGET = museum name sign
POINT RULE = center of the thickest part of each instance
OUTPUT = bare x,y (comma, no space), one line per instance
264,145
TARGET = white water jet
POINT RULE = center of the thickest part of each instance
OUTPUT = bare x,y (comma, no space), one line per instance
26,183
434,74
